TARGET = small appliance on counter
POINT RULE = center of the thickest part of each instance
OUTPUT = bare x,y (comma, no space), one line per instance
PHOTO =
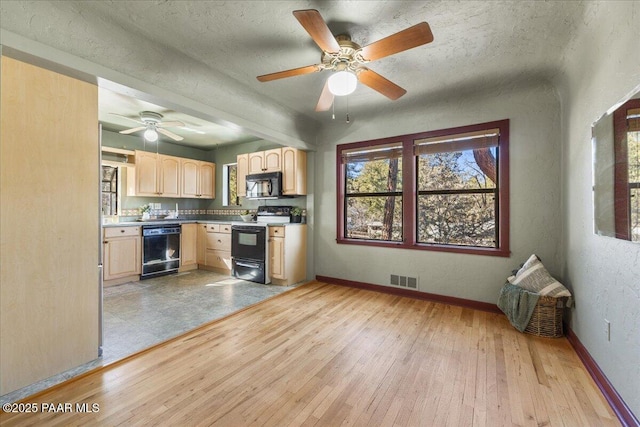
250,244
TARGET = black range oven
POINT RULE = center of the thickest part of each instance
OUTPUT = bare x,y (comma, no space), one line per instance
249,243
249,253
160,250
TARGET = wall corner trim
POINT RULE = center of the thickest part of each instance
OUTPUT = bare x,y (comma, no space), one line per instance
622,411
461,302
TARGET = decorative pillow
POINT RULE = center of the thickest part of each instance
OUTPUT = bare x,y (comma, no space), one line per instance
535,278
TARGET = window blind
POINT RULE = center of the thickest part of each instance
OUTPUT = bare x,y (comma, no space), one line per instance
633,120
463,141
376,152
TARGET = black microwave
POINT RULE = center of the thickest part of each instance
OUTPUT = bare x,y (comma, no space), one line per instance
264,185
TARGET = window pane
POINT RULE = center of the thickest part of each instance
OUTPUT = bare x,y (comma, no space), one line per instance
633,155
457,219
633,146
635,214
229,185
467,169
376,176
233,186
366,217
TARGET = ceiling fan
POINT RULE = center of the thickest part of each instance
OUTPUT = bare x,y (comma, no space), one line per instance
152,124
347,59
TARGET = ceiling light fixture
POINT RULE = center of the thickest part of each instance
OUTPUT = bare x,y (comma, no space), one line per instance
150,134
342,83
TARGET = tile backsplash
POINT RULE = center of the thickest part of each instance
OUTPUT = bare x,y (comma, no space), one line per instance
185,212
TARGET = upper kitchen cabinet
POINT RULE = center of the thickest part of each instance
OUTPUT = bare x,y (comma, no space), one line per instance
242,169
198,179
294,172
265,161
288,160
157,175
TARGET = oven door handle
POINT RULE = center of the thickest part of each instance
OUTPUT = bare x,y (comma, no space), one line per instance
247,229
246,264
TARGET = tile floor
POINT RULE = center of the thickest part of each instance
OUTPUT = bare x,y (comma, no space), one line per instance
138,315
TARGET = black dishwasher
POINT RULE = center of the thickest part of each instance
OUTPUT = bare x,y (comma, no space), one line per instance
160,250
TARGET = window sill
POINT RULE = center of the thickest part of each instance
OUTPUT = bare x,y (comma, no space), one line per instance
428,247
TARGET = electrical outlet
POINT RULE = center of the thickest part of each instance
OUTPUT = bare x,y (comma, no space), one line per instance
607,329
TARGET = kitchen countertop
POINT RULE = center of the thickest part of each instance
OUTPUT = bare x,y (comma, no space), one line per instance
154,222
190,221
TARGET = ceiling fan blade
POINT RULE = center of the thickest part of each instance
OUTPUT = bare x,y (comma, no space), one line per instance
289,73
169,134
170,124
312,21
376,82
132,130
326,98
128,118
408,38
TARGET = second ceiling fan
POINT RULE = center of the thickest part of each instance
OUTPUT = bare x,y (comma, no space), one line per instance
347,59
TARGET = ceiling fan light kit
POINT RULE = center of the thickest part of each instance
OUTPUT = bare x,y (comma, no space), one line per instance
150,134
347,59
342,83
152,125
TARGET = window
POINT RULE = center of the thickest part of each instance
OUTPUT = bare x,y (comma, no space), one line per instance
444,190
229,185
373,192
627,170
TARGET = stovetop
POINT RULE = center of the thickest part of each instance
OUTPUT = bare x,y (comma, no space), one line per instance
274,214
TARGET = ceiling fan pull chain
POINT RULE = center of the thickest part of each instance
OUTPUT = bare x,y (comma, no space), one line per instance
347,108
333,111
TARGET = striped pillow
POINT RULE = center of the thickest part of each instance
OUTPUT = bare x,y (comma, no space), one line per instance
535,278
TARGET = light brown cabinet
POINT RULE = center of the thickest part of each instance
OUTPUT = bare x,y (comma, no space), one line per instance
294,171
122,254
198,179
157,175
242,169
276,252
265,161
188,246
201,243
49,199
216,247
288,254
288,160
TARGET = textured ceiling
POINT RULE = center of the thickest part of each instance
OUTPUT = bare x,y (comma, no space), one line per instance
478,46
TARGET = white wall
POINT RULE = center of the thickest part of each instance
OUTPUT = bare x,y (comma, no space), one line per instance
535,196
601,67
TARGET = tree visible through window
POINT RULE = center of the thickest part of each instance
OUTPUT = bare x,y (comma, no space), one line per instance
442,190
457,189
373,194
230,186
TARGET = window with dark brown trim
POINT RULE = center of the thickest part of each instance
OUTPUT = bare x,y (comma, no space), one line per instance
445,190
626,124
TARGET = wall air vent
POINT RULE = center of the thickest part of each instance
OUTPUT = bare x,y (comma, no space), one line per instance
403,281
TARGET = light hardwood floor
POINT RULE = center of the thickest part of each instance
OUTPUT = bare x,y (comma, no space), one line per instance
330,355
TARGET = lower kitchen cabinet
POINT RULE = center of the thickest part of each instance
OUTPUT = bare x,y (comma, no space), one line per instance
188,247
288,254
122,253
215,247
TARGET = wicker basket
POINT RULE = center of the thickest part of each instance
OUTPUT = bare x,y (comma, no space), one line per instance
546,320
